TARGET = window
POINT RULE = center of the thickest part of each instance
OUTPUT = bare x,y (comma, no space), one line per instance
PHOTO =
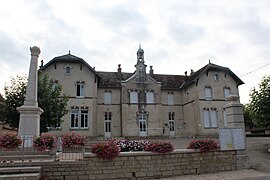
108,97
80,89
74,119
216,77
210,118
227,92
108,120
170,98
208,93
67,69
84,118
55,85
133,96
171,121
149,97
79,118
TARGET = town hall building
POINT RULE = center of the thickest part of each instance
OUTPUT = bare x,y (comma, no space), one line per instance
141,103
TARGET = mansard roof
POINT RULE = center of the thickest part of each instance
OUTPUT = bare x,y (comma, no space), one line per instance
69,58
213,67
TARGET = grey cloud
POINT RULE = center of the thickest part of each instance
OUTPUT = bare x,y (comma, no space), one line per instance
124,21
11,52
184,33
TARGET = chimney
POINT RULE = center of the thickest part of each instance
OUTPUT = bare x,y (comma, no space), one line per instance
186,73
151,71
119,72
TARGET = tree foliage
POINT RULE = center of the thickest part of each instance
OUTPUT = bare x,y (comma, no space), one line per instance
50,100
14,98
259,105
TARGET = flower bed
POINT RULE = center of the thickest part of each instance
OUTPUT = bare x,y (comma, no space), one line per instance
9,142
111,149
45,142
204,145
106,151
73,139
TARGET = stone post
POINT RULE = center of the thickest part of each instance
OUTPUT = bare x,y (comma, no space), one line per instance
235,119
235,113
29,125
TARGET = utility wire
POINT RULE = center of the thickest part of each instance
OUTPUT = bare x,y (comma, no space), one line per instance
255,70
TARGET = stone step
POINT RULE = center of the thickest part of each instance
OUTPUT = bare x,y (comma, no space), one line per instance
22,173
23,176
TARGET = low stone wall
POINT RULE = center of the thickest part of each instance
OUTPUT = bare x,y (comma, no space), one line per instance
143,165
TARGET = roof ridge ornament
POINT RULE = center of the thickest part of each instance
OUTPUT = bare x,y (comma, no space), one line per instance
69,52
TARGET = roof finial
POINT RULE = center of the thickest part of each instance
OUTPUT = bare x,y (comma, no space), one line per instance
209,61
69,52
139,45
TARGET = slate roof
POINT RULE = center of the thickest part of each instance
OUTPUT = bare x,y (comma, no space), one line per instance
169,81
68,58
210,66
111,79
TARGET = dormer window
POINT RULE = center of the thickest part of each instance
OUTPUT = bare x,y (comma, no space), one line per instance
216,77
67,69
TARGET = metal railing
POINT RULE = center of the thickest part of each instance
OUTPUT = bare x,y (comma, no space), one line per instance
26,152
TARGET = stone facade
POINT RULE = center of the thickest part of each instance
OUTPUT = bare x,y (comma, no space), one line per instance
120,104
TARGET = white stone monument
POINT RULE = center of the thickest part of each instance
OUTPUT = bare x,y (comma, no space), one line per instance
29,125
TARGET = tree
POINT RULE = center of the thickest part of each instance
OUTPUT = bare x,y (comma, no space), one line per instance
14,97
248,118
49,99
259,105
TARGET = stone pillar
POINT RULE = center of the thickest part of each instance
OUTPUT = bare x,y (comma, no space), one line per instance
235,113
29,125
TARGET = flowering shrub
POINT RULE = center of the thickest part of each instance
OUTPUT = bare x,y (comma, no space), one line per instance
9,141
204,145
73,139
159,147
106,151
131,145
45,142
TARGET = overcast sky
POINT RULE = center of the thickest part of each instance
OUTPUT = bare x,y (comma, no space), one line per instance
176,35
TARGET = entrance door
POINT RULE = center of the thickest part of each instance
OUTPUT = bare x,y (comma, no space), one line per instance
108,124
172,128
142,124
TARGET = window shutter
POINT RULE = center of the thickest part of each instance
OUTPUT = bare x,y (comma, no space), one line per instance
213,114
149,97
107,98
206,118
170,99
133,97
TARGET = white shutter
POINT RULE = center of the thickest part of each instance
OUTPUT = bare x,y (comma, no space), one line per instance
206,119
227,92
107,98
149,97
133,97
208,93
170,99
213,117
